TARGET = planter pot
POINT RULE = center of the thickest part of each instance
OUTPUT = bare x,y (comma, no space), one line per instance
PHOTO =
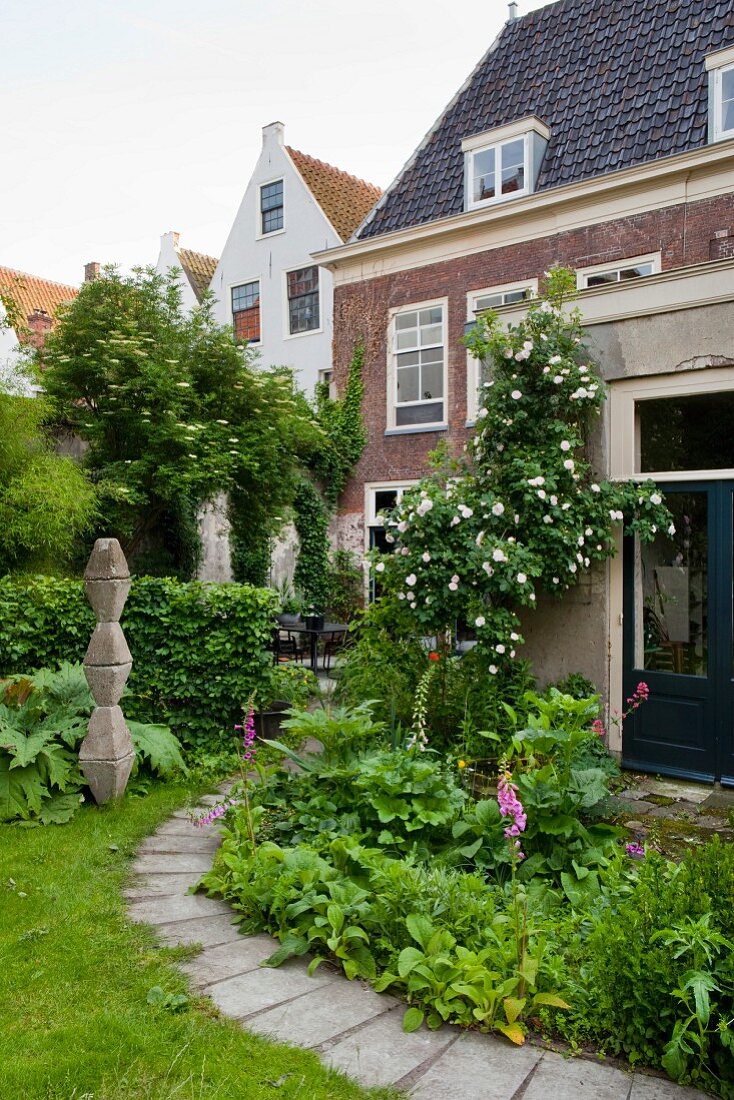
315,622
287,620
267,722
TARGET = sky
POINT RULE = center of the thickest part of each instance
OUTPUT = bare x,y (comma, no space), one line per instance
123,120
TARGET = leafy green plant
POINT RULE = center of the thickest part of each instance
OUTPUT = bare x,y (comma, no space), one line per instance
43,720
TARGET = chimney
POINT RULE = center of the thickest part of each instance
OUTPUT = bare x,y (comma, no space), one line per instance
513,11
274,133
91,272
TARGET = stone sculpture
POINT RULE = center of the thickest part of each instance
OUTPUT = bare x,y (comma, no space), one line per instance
106,754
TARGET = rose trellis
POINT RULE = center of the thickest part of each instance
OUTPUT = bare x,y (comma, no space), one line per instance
520,512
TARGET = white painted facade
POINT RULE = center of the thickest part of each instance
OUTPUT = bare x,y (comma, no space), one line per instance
168,258
250,255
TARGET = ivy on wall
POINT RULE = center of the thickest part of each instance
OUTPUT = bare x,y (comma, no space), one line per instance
344,432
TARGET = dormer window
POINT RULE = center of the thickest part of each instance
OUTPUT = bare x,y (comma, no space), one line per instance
720,67
504,163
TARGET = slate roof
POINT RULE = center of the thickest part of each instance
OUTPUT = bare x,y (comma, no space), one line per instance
619,82
198,268
30,293
344,199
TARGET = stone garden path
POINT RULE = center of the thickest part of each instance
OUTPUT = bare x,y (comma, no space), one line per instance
348,1025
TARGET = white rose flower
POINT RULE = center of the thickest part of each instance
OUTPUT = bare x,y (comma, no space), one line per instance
467,513
542,494
572,567
426,556
554,359
389,538
568,464
410,580
558,379
481,414
402,526
498,509
487,568
588,532
547,519
499,555
454,521
531,595
554,500
521,578
556,580
512,654
499,648
480,621
453,586
595,489
655,498
424,506
493,670
516,395
565,445
380,567
671,529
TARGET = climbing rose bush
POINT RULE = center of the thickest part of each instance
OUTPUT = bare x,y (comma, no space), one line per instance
521,512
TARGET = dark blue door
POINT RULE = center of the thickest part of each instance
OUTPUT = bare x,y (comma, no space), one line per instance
678,638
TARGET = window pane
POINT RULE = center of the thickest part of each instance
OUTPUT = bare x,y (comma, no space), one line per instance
408,384
247,324
271,195
431,334
245,296
515,296
302,281
272,220
432,316
490,301
304,313
385,500
407,339
513,166
406,320
602,278
635,272
432,355
426,413
687,433
408,358
484,175
672,573
432,381
727,100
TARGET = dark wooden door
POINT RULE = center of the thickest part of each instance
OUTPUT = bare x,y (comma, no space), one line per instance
678,638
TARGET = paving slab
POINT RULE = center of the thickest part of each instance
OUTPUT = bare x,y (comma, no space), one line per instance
577,1079
204,930
175,908
480,1066
183,827
166,843
246,994
215,964
160,863
639,806
322,1015
689,792
656,1088
158,886
381,1052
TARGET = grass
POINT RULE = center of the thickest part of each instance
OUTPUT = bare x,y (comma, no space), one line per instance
74,979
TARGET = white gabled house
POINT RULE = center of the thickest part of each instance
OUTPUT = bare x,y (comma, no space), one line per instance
194,269
266,284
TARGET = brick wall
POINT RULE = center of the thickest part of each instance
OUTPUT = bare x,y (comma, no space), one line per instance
684,234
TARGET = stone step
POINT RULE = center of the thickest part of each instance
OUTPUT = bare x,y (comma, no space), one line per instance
160,863
158,886
174,844
166,910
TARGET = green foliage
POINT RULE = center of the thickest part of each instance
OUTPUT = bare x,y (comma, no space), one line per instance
173,412
656,974
311,577
344,434
345,586
43,720
520,513
286,683
199,651
45,500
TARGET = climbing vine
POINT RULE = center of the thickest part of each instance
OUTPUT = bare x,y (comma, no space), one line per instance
312,525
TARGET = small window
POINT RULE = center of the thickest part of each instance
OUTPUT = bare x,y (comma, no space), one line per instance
621,272
501,298
498,171
303,300
724,102
479,301
271,207
246,311
694,432
419,356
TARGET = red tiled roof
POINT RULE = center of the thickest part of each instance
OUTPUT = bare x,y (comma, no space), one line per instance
199,269
31,295
344,199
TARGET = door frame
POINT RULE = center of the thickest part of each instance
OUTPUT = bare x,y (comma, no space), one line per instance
623,462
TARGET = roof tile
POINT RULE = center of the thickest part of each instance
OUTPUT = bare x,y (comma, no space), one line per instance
31,294
199,270
344,199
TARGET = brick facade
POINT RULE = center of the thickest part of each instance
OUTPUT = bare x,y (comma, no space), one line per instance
684,234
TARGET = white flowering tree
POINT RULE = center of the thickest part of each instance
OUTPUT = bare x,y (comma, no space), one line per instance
520,513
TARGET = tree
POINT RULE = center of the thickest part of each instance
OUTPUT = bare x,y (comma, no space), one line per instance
520,512
173,411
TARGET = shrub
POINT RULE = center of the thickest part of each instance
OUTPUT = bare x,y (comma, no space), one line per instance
43,720
199,651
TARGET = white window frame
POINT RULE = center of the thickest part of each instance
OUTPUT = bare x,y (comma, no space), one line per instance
583,274
497,146
287,334
522,130
473,366
717,64
259,235
326,374
244,282
392,370
371,489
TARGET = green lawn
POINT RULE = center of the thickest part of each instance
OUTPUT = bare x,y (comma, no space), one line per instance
74,977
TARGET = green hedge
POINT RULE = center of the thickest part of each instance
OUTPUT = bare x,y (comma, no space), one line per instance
198,650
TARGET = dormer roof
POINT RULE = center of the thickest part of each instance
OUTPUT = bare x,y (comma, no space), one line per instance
618,83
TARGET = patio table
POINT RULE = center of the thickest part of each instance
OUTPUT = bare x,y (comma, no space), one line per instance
314,633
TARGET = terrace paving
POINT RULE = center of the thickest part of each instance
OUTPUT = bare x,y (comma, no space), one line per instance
351,1027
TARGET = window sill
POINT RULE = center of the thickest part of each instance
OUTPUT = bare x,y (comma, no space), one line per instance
470,423
298,335
415,429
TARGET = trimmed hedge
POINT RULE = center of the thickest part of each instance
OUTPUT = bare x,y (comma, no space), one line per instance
199,650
